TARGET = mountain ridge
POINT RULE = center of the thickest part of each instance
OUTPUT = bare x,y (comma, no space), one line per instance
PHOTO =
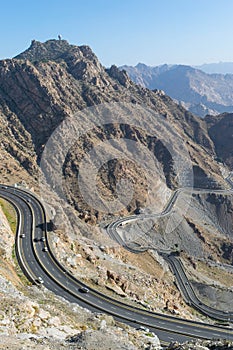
50,81
217,68
48,84
199,92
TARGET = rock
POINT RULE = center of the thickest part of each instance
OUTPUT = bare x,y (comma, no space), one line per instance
37,322
153,342
55,333
116,289
54,321
93,340
121,76
44,315
103,324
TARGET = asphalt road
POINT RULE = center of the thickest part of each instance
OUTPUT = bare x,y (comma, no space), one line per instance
173,261
35,263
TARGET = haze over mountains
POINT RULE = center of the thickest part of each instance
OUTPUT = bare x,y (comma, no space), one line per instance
216,68
199,92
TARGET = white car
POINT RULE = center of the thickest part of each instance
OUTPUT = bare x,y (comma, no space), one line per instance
40,280
143,328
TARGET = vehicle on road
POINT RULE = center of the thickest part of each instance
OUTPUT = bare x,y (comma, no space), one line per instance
39,280
83,289
143,328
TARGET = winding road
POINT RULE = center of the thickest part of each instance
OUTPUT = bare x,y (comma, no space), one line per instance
38,262
174,262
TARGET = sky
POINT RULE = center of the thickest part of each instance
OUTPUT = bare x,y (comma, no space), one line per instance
124,31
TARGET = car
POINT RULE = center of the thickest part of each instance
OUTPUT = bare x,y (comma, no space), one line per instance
43,239
28,200
4,187
45,249
22,235
40,280
143,328
84,289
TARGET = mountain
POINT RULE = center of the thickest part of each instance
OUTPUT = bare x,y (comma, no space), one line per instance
220,129
199,92
50,81
219,68
48,86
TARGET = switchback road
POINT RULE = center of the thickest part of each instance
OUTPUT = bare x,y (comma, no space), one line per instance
38,263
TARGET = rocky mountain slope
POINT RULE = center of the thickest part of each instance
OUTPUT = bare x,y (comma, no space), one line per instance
199,92
49,84
50,81
34,318
220,129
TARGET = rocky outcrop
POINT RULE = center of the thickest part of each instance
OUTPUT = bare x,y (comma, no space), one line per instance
220,129
6,237
202,345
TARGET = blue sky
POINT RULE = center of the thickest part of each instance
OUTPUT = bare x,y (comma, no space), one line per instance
124,31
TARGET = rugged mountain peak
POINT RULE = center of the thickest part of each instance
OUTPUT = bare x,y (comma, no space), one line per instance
58,51
141,65
50,50
121,76
80,61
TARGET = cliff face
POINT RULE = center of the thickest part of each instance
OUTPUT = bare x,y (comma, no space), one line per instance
50,81
220,129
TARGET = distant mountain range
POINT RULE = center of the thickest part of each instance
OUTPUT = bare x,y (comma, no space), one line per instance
220,67
199,92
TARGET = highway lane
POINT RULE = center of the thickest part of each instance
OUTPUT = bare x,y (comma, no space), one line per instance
175,264
189,294
43,264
